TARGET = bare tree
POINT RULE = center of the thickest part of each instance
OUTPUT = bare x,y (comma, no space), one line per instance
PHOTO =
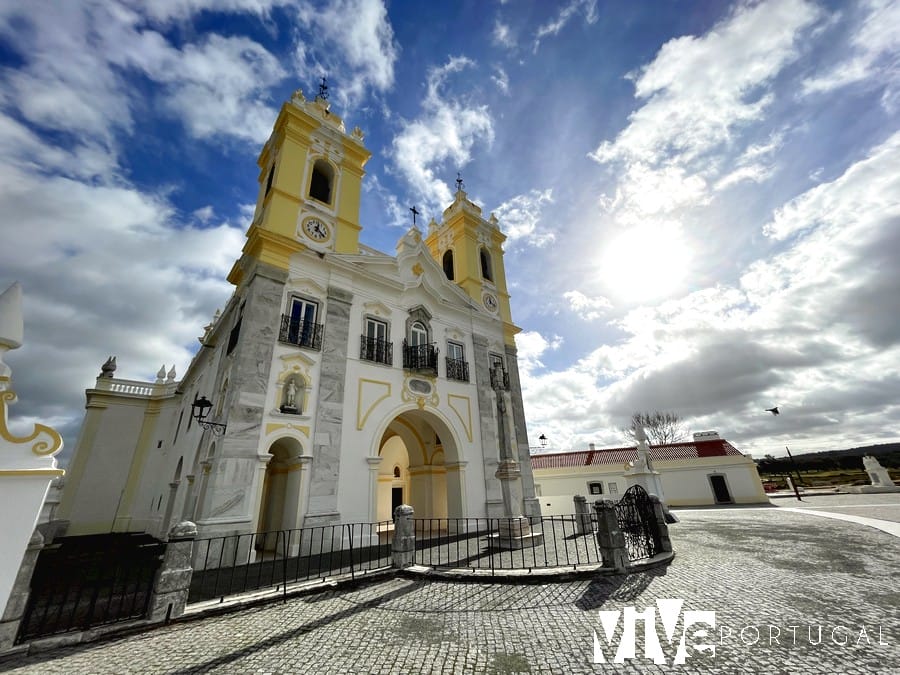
661,427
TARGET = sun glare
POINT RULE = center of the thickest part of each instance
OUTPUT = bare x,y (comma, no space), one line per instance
645,263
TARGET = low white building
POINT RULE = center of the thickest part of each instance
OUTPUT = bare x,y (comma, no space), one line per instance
706,471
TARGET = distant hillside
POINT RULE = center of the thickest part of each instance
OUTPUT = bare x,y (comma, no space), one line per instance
888,455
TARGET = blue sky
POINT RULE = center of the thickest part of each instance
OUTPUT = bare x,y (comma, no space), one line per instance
702,198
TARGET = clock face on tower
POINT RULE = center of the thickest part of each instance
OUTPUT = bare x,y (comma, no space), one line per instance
490,302
316,230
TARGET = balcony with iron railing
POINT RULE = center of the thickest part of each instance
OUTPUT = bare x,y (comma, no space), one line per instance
457,369
376,350
421,358
301,333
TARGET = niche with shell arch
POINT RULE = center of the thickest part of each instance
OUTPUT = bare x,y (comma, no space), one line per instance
294,385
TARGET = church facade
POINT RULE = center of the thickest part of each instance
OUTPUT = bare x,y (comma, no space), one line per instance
340,381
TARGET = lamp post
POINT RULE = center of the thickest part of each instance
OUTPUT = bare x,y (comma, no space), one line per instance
200,411
543,440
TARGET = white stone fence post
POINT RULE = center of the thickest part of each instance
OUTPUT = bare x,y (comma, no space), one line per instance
583,518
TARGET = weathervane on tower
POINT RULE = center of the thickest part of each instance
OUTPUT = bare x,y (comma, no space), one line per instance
323,89
459,182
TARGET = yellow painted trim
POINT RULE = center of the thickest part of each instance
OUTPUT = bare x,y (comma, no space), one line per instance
135,471
464,417
40,448
275,427
33,472
360,417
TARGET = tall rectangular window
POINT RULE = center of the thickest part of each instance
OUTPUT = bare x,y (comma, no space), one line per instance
374,343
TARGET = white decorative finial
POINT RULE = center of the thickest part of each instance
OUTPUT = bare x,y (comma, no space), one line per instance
170,376
161,374
12,329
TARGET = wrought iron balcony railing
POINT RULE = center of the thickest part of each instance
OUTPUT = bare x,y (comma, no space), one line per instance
301,333
457,369
377,350
423,358
499,379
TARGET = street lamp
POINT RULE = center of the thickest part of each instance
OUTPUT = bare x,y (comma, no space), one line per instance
543,440
200,411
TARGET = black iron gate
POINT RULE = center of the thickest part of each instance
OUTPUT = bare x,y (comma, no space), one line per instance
80,582
636,518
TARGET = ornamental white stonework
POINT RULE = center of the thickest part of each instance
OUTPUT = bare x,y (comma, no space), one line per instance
27,463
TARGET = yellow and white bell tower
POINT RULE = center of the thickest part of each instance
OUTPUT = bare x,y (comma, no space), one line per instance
470,251
310,182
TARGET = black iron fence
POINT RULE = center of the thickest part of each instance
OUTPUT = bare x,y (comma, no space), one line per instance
420,357
377,350
240,563
80,582
637,521
484,544
457,369
301,333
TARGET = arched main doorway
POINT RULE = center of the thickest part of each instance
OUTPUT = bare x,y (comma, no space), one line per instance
420,466
280,503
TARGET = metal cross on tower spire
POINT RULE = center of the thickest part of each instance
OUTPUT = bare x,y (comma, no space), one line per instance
459,182
415,213
323,89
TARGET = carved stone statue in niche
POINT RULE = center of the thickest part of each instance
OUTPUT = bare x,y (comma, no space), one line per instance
289,402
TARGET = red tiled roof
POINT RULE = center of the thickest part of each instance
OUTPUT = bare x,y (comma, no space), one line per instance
669,451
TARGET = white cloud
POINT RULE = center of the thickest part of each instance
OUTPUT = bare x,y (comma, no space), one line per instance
872,52
520,218
502,35
446,131
811,328
567,13
589,309
357,49
107,270
501,79
78,59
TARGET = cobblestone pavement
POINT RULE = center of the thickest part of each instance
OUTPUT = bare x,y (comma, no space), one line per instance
761,570
885,506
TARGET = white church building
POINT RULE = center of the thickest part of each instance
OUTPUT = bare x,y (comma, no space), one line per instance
337,382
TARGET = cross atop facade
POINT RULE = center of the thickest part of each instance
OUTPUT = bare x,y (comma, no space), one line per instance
459,182
323,89
415,213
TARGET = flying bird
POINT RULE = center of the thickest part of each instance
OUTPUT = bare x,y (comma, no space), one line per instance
774,410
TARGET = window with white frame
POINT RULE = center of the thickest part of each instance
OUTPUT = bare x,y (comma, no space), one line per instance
375,345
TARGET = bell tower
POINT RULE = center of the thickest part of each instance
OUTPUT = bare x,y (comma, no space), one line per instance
310,182
470,251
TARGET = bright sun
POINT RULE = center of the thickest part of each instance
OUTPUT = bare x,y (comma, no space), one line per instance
646,262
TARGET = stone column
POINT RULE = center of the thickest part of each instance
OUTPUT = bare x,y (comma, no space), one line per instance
660,528
170,507
18,599
374,464
583,515
232,497
531,504
327,445
403,548
610,539
173,580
